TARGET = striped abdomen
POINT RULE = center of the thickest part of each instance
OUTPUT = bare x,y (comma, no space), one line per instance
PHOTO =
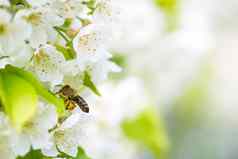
81,103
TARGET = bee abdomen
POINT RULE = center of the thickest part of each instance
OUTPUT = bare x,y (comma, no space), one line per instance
81,103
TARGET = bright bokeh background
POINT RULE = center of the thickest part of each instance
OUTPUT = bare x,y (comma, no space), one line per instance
184,53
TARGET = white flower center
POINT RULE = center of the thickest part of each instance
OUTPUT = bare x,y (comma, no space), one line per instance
87,42
34,18
104,8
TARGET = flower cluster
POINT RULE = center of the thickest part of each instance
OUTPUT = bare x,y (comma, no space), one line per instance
60,42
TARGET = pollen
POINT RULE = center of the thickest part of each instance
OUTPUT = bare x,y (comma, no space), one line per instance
72,32
3,28
87,42
41,56
34,18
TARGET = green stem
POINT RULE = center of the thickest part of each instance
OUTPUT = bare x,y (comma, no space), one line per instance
59,31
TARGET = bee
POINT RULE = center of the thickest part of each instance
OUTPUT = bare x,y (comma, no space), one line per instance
72,99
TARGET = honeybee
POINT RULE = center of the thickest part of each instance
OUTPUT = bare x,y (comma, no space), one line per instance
72,99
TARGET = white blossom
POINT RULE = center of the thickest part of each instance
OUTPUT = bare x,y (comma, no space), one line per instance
70,8
35,133
14,33
5,149
138,23
37,3
57,41
48,64
4,2
88,41
67,137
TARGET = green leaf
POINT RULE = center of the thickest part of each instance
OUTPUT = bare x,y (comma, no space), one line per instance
81,154
39,87
119,59
91,4
61,32
66,51
84,22
87,81
67,23
37,154
171,10
18,98
190,108
168,6
34,154
147,129
16,3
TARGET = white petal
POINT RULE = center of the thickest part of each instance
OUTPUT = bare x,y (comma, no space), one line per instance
5,16
47,65
20,144
5,150
41,140
71,121
22,56
69,148
47,118
21,30
4,2
38,37
4,62
51,152
37,3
